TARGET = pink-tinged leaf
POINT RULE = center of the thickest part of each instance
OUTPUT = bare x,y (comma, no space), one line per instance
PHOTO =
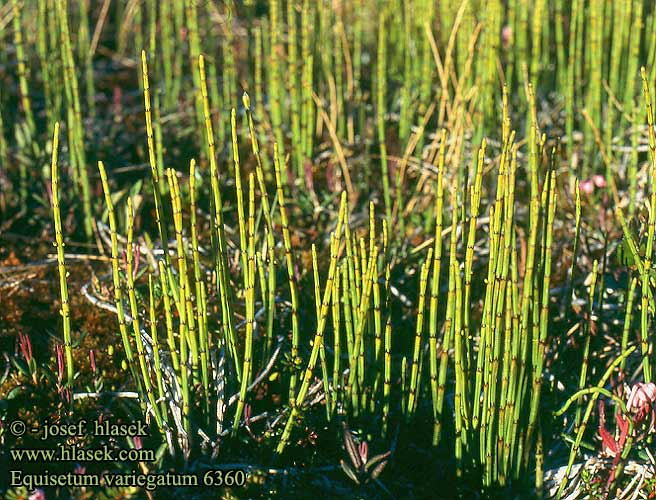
25,346
364,452
59,350
92,360
608,443
623,426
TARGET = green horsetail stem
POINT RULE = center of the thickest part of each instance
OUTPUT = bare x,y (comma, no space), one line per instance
357,359
293,85
380,117
289,260
471,234
168,39
448,327
176,200
228,53
349,329
261,273
276,94
46,66
23,87
86,56
577,234
337,348
74,116
205,342
168,315
198,281
266,209
134,313
157,364
378,332
307,110
339,67
137,29
240,198
588,335
118,293
221,259
156,169
646,305
387,376
406,112
435,287
250,306
191,25
460,398
423,280
633,165
627,318
61,265
258,91
183,332
509,260
322,349
366,334
544,310
571,78
185,339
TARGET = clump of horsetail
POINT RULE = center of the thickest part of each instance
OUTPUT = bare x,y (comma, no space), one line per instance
316,346
61,265
299,398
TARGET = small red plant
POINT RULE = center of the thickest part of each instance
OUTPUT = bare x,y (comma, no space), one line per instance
640,408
